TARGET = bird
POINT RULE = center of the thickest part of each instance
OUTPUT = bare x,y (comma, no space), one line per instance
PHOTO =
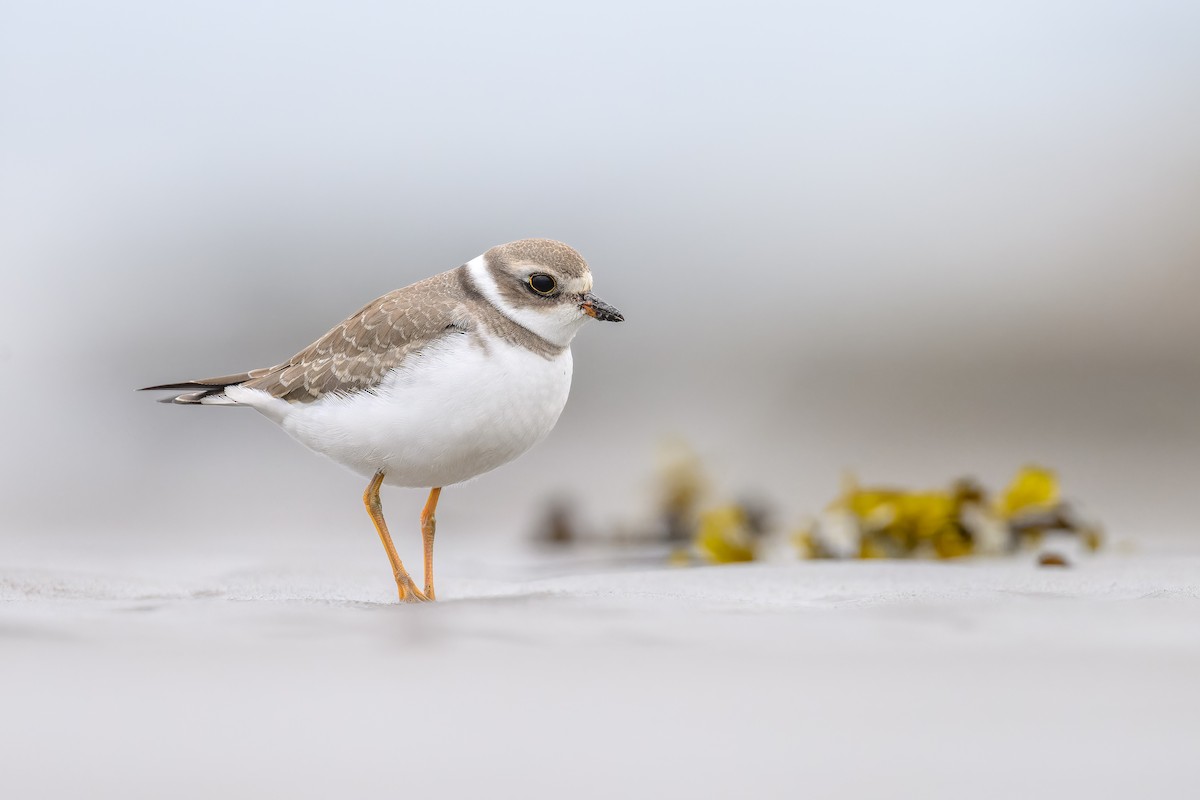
433,384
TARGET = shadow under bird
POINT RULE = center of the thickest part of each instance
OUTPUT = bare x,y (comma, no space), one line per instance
432,384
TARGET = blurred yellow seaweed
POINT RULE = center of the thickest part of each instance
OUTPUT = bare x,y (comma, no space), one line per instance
864,522
960,521
725,536
1033,488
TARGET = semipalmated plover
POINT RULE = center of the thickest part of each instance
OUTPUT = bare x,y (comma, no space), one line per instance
432,384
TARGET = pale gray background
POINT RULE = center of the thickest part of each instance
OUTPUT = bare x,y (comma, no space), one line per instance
915,240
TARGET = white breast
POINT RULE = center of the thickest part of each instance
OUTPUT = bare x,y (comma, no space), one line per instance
458,409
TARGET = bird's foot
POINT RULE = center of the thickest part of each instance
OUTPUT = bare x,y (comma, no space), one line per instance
409,593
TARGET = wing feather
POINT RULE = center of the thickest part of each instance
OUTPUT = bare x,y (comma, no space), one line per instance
357,353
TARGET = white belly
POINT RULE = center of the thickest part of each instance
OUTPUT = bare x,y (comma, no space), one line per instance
456,411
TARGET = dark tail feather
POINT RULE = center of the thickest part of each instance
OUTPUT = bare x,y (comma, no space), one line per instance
209,397
206,391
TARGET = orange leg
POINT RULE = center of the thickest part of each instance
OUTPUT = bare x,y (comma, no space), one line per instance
428,524
409,593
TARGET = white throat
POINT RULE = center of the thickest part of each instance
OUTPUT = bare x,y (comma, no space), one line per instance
557,324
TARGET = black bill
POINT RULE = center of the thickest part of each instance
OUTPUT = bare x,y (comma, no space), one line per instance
598,309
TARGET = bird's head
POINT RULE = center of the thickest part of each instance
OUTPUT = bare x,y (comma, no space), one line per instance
542,285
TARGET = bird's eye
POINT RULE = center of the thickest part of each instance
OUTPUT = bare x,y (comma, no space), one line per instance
542,283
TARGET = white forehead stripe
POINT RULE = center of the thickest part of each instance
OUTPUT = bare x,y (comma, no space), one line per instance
578,285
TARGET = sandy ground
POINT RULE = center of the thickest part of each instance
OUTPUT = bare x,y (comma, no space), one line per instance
561,678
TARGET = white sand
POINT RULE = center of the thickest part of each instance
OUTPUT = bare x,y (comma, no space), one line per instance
976,679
